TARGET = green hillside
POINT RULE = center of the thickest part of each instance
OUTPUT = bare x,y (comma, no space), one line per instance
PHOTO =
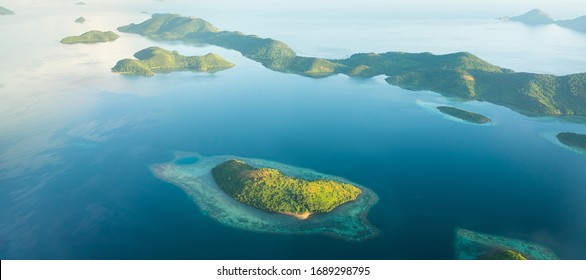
91,37
155,59
460,74
270,190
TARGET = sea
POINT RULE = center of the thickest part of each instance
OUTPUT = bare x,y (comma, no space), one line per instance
77,141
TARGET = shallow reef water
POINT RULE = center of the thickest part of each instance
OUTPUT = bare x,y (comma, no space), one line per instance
192,173
472,245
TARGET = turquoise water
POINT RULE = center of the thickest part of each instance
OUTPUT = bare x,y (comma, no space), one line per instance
77,141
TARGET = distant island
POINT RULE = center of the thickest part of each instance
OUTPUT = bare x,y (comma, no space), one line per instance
539,17
533,17
470,245
270,190
573,140
80,20
460,75
4,11
578,24
80,3
155,59
260,195
464,115
91,37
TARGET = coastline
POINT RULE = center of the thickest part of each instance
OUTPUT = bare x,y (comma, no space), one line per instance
302,216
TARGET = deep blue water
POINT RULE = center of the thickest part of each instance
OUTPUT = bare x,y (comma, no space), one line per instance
85,191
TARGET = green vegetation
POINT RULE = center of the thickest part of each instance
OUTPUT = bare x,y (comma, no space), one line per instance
270,190
462,74
503,254
155,59
80,20
4,11
464,115
91,37
573,140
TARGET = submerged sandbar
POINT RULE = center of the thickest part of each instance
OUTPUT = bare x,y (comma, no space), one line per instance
347,221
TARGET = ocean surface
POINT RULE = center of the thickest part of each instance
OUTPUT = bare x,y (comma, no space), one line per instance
76,141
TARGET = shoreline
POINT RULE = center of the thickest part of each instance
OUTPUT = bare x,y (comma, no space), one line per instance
302,216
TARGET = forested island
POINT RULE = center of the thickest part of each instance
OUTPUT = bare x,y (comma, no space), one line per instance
460,74
4,11
155,59
573,140
261,195
268,189
90,37
80,20
464,115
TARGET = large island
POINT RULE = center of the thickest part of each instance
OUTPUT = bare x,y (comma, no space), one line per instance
155,59
91,37
253,194
462,74
270,190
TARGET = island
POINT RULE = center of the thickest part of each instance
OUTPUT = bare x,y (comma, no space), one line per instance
270,190
80,20
539,17
574,141
155,59
464,115
4,11
533,17
578,24
462,75
91,37
471,245
80,3
266,196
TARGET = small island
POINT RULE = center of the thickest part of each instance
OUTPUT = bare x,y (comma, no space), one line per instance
155,59
533,17
80,20
471,245
464,115
91,37
260,195
574,141
270,190
4,11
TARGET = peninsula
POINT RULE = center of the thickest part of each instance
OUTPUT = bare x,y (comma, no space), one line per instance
268,189
155,59
4,11
464,115
573,140
462,74
90,37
